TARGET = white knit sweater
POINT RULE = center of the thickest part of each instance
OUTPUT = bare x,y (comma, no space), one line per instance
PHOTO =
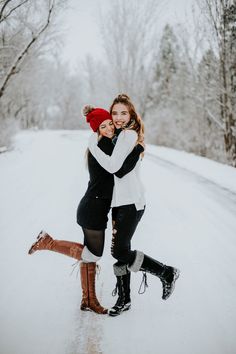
128,189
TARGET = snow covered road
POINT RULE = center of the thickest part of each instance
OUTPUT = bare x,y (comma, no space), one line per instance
189,222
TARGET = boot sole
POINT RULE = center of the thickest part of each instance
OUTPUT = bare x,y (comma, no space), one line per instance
85,309
88,309
40,235
119,313
176,276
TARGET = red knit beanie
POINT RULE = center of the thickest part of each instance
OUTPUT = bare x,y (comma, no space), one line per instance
95,116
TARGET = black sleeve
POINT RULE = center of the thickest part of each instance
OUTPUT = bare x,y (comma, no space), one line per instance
130,161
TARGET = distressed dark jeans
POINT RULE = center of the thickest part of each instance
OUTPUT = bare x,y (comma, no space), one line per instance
125,219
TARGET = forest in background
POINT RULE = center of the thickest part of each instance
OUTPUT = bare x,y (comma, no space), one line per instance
183,84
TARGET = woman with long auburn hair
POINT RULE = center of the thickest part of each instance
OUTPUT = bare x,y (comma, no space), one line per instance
128,205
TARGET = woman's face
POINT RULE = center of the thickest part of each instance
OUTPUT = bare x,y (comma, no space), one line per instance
120,115
107,128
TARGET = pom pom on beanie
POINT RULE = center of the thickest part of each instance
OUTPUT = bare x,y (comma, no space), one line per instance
87,109
95,116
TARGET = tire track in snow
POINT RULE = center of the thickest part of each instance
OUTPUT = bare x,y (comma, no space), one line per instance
216,191
89,331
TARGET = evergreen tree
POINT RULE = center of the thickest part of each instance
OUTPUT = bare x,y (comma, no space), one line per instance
167,64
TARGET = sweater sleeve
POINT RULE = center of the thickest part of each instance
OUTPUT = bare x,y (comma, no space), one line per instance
130,161
124,145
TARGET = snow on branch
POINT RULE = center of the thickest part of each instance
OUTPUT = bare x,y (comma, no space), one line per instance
4,17
20,57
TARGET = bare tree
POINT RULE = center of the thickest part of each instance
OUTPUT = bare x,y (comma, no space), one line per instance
222,17
130,35
3,15
14,66
27,32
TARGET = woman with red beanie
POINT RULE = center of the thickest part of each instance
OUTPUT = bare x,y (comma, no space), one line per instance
128,206
92,210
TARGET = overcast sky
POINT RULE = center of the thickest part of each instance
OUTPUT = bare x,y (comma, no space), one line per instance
81,23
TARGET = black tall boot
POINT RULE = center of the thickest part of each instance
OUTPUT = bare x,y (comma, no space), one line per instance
123,302
167,274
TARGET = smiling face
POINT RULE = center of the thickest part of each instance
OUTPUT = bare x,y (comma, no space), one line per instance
106,128
120,115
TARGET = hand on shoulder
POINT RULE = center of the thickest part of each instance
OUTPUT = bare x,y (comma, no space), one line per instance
140,140
93,140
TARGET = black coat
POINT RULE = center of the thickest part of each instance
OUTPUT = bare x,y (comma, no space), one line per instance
95,205
101,182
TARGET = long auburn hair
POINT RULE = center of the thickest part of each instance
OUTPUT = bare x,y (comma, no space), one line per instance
135,122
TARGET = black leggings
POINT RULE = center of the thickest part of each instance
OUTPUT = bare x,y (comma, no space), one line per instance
94,240
125,220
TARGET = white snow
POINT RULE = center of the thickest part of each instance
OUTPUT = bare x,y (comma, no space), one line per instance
222,175
189,222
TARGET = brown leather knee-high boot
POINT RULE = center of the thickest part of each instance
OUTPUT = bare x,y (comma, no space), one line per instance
89,299
46,242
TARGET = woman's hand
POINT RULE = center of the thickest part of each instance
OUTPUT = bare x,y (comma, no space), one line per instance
140,141
93,140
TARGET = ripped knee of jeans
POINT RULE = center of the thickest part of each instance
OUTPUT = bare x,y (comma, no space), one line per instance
114,232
